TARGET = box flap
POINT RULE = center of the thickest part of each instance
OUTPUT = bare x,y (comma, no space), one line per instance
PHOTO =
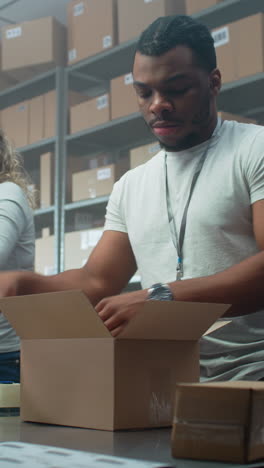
162,320
66,314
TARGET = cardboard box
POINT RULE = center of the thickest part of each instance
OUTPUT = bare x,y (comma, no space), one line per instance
123,96
90,113
46,180
15,123
36,119
238,118
45,253
91,28
134,16
226,45
193,6
238,57
33,47
97,182
117,383
220,421
79,246
142,154
6,81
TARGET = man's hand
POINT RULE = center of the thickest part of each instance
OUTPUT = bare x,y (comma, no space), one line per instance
116,311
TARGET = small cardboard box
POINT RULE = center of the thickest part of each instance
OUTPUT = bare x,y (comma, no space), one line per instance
91,28
79,246
225,39
46,180
33,47
220,421
123,96
15,123
89,379
89,113
97,182
134,16
193,6
36,119
142,154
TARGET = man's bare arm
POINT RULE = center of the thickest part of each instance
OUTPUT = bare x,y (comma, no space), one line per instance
106,272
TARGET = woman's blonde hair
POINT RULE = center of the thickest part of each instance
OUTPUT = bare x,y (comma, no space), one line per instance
12,169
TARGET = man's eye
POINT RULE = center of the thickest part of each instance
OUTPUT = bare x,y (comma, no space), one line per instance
143,94
177,92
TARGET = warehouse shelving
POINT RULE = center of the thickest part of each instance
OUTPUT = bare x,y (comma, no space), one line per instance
92,76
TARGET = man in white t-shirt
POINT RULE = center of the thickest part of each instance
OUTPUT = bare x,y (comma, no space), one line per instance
190,219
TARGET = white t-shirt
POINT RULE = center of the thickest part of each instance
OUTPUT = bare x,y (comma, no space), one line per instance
17,246
219,231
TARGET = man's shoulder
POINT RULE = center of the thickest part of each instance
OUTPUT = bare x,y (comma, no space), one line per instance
242,130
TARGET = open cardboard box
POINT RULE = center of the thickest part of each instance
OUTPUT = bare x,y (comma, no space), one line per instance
75,373
221,421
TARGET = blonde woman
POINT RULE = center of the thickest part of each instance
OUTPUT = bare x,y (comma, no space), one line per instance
17,243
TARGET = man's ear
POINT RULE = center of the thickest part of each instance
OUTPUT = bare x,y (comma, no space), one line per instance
215,81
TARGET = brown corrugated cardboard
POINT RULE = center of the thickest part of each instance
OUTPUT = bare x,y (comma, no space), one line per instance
123,96
134,16
79,246
15,123
97,182
193,6
5,80
45,253
238,57
36,119
219,421
46,180
122,383
225,39
90,113
143,154
250,53
91,28
238,118
50,114
33,47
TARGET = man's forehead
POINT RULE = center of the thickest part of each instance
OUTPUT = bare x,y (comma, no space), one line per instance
178,63
177,58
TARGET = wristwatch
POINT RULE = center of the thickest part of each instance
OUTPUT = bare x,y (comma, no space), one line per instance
160,292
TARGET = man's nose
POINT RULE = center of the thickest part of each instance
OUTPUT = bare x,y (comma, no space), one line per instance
160,103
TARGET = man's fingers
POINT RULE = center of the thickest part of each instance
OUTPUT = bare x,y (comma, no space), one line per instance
116,331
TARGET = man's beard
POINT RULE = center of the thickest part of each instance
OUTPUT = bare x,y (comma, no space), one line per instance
200,119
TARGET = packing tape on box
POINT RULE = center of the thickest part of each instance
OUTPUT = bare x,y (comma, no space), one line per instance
226,434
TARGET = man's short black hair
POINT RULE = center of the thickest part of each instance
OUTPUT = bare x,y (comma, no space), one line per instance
167,32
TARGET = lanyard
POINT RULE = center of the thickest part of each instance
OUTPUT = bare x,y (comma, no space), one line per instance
178,241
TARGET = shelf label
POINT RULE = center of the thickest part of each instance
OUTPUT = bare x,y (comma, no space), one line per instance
72,55
128,79
107,42
102,102
104,173
13,32
78,9
221,36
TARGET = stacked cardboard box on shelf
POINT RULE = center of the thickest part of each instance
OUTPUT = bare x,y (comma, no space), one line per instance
15,123
91,28
136,15
238,57
90,113
193,6
79,246
46,180
123,96
97,182
20,59
142,154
